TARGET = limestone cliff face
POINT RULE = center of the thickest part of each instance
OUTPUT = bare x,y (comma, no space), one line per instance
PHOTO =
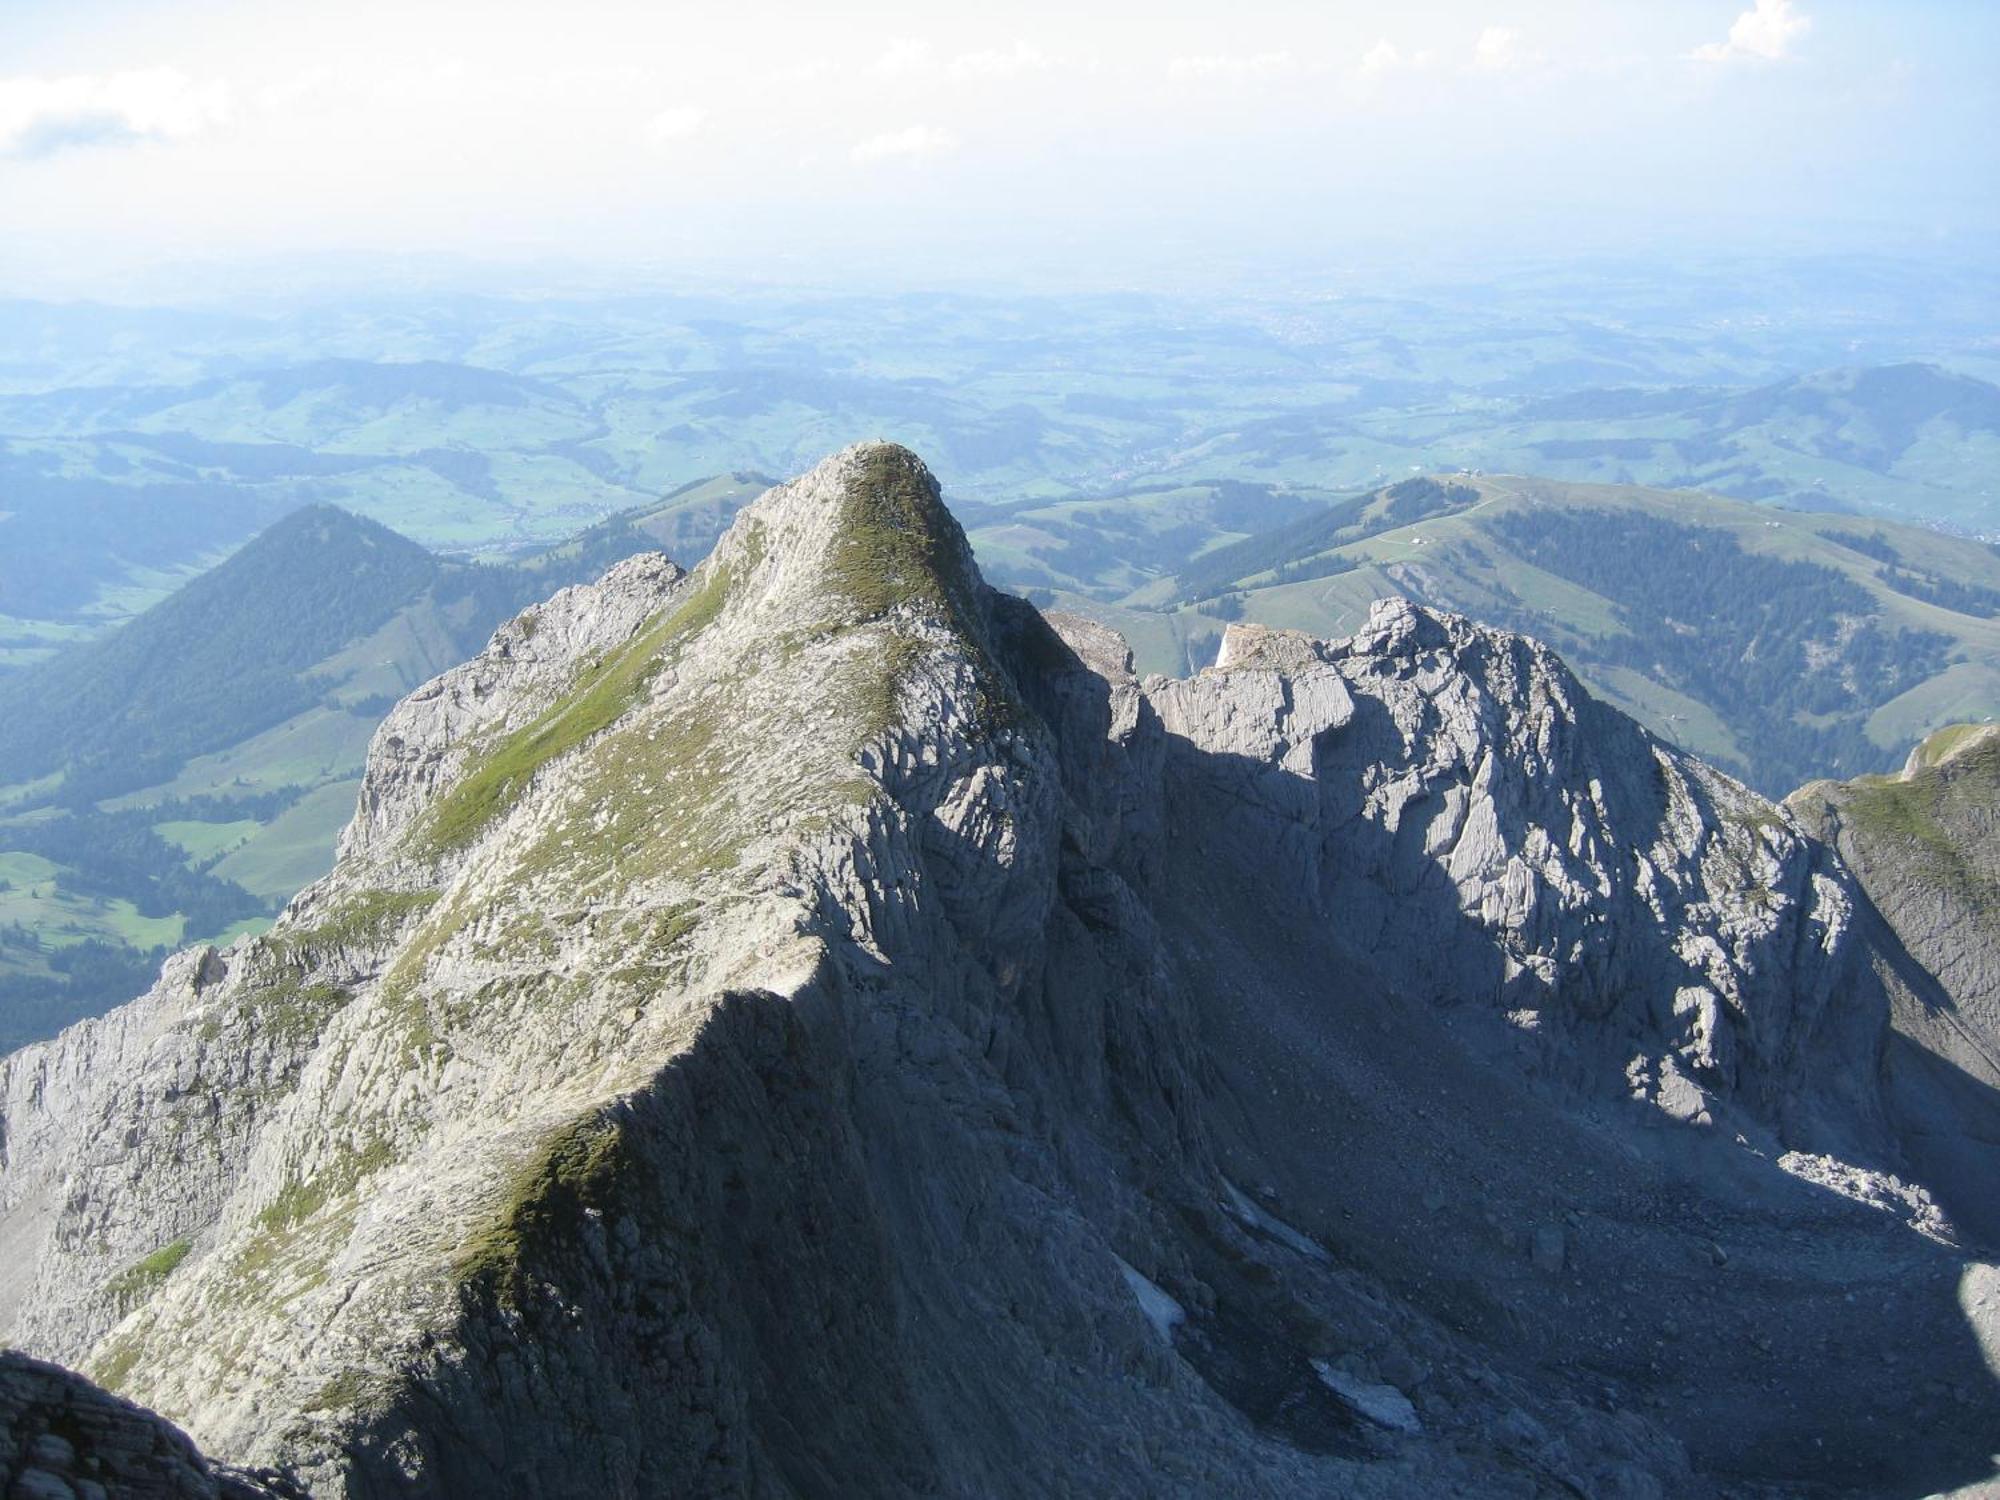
1925,846
816,1026
1467,810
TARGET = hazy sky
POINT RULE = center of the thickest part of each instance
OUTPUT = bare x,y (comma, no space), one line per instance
938,143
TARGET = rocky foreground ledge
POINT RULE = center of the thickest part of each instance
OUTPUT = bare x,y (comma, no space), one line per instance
815,1025
61,1438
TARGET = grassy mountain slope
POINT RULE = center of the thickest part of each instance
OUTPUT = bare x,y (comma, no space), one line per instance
1784,645
224,658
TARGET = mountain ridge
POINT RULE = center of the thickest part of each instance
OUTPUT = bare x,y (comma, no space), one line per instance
824,942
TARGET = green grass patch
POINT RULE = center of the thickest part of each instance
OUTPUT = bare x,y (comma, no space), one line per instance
898,544
668,799
899,548
1884,807
1939,746
573,1172
1891,810
299,1199
603,693
136,1283
344,1392
364,919
295,1014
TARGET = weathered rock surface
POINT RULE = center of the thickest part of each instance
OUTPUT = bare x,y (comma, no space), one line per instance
816,1026
61,1438
1925,846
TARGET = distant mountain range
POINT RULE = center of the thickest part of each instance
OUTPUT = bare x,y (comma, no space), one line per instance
117,491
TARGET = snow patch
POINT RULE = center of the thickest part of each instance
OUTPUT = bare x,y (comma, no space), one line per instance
1159,1306
1249,1213
1383,1405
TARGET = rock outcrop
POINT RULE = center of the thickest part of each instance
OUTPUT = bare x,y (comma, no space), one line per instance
817,1026
62,1438
1925,847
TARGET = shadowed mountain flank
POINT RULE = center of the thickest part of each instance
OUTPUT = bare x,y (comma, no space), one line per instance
1925,846
815,1025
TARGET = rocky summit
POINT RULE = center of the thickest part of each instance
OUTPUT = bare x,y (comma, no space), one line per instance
817,1026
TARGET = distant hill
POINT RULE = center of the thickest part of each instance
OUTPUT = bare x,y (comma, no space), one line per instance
1783,645
1106,545
224,658
1926,437
1874,418
115,494
75,531
1909,441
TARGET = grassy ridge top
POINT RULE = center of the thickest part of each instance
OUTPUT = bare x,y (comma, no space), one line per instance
1934,820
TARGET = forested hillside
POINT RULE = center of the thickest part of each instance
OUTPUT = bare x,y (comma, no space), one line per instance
1795,654
222,659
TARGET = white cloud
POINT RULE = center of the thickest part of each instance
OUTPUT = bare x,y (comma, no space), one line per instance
1764,33
675,124
1021,59
1231,65
41,116
1499,50
905,55
1383,57
1386,57
916,143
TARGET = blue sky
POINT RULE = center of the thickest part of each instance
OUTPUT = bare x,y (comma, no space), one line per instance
1111,143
